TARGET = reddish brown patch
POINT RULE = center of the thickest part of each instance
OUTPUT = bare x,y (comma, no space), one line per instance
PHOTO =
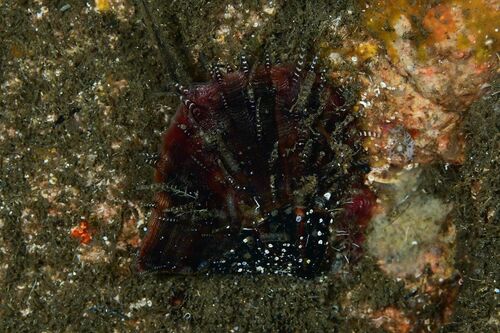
439,21
82,232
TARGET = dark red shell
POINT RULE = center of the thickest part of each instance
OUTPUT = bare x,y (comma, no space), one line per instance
254,169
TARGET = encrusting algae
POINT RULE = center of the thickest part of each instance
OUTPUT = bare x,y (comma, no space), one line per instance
469,25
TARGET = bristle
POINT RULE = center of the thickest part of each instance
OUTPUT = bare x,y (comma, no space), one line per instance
168,219
150,205
258,125
216,74
188,103
272,164
181,89
298,68
322,79
251,99
224,102
182,193
314,62
268,62
305,91
245,68
369,134
151,159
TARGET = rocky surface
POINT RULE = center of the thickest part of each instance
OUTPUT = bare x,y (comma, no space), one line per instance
84,97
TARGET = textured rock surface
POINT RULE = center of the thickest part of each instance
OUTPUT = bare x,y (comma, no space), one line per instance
82,99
